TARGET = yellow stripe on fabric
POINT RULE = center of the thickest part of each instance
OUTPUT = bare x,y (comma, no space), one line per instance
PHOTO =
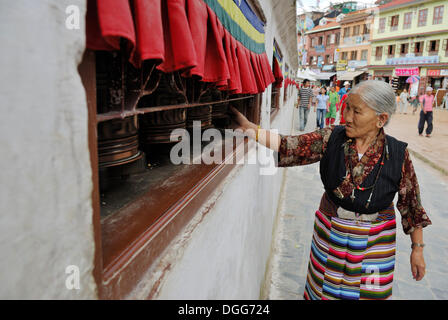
235,13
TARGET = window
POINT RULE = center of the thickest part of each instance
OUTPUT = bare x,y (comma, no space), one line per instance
407,21
382,25
404,47
353,55
337,36
445,46
346,32
438,15
433,47
365,29
333,38
394,23
422,15
131,114
418,48
344,55
321,40
378,53
356,30
327,59
391,51
328,42
313,42
364,54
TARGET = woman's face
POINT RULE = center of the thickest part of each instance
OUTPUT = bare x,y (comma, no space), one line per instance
360,119
322,91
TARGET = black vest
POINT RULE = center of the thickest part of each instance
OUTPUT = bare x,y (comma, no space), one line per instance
333,170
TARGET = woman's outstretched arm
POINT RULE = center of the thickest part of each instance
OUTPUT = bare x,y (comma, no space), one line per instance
267,138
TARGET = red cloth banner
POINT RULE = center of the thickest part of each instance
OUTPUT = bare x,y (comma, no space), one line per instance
278,74
178,35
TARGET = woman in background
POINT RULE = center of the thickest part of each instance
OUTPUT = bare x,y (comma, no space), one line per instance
322,107
404,96
333,99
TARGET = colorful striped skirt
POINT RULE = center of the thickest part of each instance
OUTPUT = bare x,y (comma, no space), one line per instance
351,260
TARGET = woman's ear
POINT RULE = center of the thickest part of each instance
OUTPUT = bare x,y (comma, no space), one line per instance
382,119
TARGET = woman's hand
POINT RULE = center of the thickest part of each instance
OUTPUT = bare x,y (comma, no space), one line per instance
418,265
240,121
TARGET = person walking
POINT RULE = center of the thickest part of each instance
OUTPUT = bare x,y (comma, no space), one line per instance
362,169
304,103
341,108
404,96
322,107
330,117
426,103
343,90
415,102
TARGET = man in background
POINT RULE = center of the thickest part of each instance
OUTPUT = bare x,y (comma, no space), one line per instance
304,103
426,103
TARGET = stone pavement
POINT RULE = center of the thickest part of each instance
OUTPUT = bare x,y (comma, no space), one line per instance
300,198
432,150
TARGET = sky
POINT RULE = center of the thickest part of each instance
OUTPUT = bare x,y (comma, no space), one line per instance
309,5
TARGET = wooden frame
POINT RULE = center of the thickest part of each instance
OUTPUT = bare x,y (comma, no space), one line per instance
127,246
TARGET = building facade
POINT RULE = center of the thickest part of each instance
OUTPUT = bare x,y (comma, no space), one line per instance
321,45
411,38
354,48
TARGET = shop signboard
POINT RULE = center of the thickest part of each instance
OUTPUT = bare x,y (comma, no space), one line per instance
406,72
357,64
341,65
437,73
412,60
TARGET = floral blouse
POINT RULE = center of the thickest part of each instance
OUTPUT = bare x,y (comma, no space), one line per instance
309,148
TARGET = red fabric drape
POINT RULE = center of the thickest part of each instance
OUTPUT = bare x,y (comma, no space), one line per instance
179,35
277,74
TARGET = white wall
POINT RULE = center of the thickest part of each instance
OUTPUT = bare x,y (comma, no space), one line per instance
45,191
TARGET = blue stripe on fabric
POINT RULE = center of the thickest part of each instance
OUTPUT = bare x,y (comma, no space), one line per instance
382,266
250,15
318,254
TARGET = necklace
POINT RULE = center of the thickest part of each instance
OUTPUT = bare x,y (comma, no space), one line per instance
385,154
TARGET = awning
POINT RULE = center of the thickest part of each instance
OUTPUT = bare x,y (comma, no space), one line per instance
224,45
325,75
349,75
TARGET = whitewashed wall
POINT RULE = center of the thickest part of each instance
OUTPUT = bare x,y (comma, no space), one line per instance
45,176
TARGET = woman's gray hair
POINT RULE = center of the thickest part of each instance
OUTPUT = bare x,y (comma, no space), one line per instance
378,95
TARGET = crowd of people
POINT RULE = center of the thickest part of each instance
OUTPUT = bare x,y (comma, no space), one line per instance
329,102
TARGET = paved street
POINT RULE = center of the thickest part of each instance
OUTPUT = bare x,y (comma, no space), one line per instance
300,198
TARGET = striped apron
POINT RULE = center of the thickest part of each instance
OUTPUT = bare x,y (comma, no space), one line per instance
351,259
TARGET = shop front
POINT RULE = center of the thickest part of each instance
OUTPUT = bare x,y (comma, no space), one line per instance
383,75
437,78
402,75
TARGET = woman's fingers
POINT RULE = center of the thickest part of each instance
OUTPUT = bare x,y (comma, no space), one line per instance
414,271
420,272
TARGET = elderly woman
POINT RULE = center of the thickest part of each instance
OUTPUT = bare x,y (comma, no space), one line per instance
362,168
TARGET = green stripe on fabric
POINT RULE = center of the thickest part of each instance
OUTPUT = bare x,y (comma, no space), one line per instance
235,30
